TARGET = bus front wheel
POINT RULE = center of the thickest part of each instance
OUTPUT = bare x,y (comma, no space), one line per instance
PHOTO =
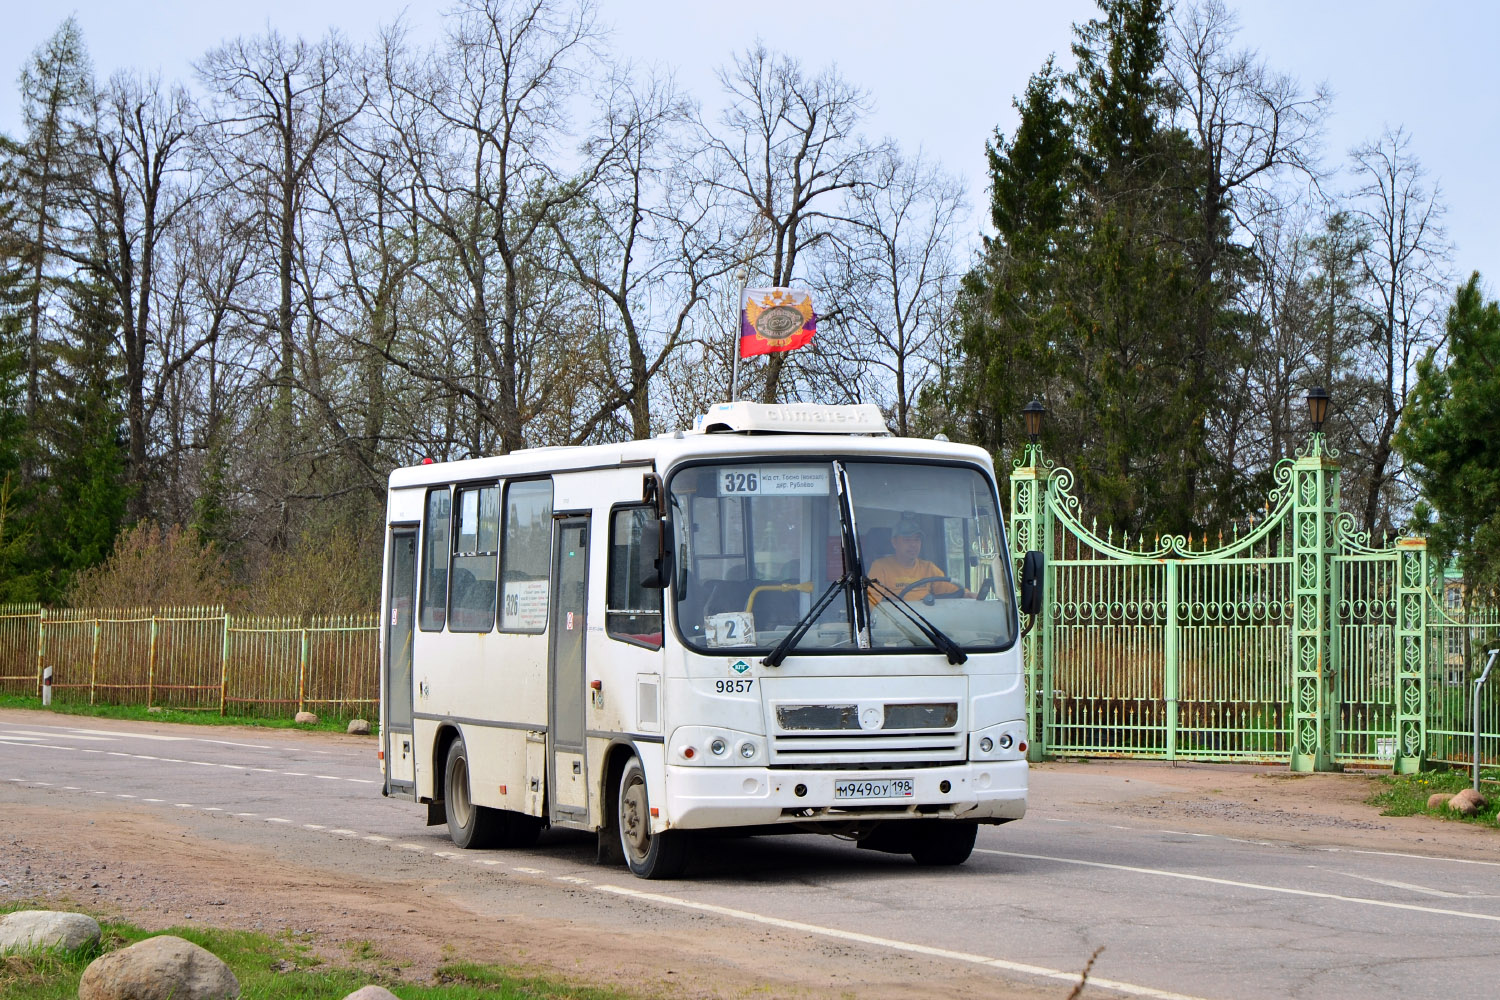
658,856
943,842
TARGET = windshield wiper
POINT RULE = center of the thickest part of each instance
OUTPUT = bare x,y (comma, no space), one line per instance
804,623
934,635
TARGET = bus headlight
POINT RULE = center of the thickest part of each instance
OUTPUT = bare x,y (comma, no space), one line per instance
986,744
1006,741
712,746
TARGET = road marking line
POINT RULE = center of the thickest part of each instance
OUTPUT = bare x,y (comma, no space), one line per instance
1414,857
276,819
314,826
377,838
1308,893
70,788
184,805
447,854
411,847
122,795
56,735
487,861
1396,885
334,777
46,746
362,781
302,774
244,814
573,879
151,800
891,944
530,871
212,809
346,833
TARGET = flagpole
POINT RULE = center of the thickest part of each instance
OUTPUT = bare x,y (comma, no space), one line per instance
741,275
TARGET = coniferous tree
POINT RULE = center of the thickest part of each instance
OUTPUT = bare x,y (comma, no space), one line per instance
1447,434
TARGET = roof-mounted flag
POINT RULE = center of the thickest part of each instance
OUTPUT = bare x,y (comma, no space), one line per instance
775,319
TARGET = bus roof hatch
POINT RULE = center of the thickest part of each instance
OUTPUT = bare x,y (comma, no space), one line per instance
744,417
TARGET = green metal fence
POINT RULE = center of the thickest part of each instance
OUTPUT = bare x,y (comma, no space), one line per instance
192,658
1293,639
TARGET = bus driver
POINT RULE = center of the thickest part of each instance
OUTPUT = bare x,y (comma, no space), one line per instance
906,566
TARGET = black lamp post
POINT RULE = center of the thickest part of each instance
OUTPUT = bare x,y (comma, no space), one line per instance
1033,412
1317,407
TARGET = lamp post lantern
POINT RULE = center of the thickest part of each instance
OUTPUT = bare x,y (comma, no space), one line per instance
1317,407
1033,412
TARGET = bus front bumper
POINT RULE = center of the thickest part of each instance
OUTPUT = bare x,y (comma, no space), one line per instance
701,798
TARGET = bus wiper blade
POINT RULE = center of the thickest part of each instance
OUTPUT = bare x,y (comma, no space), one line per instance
804,623
934,635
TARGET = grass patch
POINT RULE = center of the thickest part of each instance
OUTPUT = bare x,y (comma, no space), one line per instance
1407,794
285,968
202,717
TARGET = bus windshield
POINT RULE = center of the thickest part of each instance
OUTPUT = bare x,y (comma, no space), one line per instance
760,542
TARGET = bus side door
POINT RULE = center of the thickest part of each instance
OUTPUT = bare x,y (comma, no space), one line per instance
567,773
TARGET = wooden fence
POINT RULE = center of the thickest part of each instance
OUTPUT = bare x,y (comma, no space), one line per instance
193,658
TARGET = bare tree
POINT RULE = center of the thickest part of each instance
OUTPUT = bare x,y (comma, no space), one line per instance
894,278
786,149
144,190
475,122
278,108
650,247
1404,263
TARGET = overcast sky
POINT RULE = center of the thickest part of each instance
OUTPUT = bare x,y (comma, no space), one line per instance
942,74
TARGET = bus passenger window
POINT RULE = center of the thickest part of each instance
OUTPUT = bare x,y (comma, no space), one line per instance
632,612
435,561
526,556
476,545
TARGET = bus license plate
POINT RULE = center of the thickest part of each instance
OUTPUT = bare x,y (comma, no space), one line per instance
883,788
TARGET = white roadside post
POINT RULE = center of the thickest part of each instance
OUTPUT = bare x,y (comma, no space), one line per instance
46,687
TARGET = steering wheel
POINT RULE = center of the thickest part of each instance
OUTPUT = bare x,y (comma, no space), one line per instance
928,599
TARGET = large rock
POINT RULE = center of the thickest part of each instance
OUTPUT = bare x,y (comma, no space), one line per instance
1472,797
159,968
359,727
38,930
1437,800
372,993
1462,806
306,717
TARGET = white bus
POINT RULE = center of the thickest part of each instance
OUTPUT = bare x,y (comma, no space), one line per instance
784,620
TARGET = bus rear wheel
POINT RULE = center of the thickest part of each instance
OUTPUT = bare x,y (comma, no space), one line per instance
471,826
943,842
649,856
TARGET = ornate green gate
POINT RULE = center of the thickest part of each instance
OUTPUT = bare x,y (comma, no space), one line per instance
1291,640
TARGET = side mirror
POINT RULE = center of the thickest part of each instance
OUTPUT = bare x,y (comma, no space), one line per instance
653,544
1033,568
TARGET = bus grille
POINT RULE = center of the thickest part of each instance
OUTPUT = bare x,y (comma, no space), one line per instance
904,735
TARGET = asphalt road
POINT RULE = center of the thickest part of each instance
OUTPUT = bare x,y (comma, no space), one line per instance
1177,913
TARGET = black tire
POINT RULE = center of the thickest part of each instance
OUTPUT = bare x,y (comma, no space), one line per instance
471,827
658,856
943,842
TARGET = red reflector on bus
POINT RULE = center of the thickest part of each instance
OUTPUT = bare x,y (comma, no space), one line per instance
655,811
502,789
380,755
1022,747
